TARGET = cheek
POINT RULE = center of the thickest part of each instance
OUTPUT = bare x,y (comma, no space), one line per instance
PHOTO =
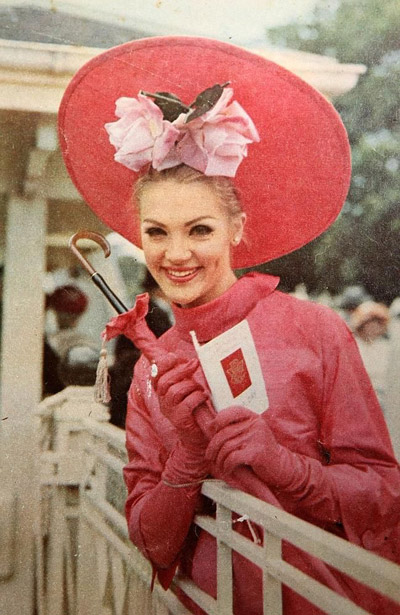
216,255
151,252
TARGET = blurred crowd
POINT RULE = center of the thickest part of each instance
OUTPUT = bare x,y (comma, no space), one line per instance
376,328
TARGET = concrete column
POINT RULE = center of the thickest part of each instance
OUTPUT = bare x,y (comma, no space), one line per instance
22,347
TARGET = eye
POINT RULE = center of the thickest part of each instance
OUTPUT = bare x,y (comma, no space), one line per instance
155,231
201,230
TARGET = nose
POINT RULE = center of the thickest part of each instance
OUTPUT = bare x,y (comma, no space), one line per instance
178,250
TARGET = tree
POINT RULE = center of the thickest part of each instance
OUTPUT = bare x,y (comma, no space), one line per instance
362,245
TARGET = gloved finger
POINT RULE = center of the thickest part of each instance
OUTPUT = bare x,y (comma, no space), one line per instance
230,433
194,400
175,375
229,455
182,417
231,461
231,415
239,426
178,391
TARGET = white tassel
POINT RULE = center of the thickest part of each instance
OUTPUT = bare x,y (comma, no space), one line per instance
102,384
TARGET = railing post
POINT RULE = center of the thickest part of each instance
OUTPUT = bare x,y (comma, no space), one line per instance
224,562
272,588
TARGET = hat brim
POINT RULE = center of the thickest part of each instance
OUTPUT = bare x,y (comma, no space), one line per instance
292,184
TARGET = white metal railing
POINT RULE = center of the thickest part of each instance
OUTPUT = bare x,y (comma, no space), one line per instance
87,565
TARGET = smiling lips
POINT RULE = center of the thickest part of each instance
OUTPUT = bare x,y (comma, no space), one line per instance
181,275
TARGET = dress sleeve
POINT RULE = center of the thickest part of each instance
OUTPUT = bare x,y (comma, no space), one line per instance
361,466
159,516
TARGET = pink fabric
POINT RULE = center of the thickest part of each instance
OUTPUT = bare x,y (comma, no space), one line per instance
133,325
245,438
214,143
141,135
322,409
180,395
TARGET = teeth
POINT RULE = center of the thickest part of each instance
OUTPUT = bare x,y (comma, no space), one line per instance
181,274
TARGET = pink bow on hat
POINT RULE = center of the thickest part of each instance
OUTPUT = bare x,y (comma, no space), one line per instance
214,141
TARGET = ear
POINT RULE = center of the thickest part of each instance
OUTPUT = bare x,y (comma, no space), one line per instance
238,223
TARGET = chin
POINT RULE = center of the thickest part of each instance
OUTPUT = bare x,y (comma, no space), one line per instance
186,301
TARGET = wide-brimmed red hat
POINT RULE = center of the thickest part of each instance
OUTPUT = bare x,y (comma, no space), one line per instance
292,183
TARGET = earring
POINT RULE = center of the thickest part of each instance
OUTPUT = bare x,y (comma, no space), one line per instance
235,241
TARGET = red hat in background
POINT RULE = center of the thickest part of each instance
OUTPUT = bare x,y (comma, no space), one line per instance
68,299
292,183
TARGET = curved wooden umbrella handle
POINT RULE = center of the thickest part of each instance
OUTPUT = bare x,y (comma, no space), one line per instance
97,238
96,277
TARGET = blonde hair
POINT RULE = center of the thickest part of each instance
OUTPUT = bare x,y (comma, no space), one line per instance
223,187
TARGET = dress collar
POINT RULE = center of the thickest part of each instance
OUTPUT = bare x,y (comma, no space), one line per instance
215,317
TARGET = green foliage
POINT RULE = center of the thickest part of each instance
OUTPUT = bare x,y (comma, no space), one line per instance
363,244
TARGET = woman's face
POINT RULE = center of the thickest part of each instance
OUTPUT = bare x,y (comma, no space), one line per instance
186,238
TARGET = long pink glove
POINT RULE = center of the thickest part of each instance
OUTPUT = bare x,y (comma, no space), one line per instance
243,438
179,396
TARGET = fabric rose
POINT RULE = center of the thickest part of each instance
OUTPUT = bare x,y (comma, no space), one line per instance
216,142
141,135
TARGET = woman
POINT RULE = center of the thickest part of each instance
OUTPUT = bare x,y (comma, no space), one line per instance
319,447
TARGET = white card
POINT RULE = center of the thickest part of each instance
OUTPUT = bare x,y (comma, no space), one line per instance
232,369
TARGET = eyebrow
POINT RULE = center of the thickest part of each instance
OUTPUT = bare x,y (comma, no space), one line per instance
199,219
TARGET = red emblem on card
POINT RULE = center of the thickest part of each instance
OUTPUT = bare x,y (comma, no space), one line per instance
235,370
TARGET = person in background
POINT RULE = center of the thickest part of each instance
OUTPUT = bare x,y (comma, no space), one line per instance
370,323
351,298
73,351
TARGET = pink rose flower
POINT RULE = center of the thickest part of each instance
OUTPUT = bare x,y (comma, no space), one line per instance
216,142
141,135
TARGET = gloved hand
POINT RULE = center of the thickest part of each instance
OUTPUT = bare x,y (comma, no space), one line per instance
245,438
179,396
301,483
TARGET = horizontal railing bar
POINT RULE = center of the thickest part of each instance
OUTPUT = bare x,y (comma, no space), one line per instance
119,545
234,540
109,433
169,600
325,598
205,601
109,512
315,591
92,517
362,565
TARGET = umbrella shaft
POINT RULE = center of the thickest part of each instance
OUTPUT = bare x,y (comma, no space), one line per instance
108,293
